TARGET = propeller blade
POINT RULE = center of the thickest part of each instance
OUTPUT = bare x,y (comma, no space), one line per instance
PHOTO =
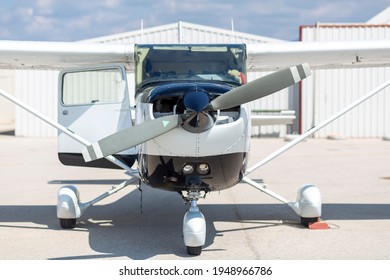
130,137
261,87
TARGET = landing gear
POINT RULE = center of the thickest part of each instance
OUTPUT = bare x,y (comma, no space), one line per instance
308,204
307,221
194,251
68,223
69,207
194,227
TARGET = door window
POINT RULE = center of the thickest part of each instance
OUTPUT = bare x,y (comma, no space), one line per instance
93,87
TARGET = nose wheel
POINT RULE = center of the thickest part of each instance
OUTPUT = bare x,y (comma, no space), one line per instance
194,228
194,251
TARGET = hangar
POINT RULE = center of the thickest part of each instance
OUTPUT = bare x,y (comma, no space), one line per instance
315,99
330,90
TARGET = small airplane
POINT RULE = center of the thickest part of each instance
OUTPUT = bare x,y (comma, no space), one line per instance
187,129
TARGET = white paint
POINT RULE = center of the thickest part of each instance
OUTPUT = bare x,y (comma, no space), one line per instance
327,91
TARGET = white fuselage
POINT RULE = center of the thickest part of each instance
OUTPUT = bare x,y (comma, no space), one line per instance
224,147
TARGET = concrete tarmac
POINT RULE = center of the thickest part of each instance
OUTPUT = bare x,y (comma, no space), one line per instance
242,222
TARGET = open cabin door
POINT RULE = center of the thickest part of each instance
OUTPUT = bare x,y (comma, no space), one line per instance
94,103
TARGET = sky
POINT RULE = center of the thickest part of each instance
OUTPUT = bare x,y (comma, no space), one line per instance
72,20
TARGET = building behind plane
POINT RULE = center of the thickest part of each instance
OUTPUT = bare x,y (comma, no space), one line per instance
39,87
328,91
320,96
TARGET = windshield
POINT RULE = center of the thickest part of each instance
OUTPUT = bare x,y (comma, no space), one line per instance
163,63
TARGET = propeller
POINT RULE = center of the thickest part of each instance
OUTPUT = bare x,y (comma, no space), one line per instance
261,87
130,137
197,117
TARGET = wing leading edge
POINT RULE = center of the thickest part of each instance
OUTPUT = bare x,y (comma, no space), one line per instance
57,55
261,57
319,55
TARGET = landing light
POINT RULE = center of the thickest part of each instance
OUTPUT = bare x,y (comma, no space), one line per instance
203,169
187,169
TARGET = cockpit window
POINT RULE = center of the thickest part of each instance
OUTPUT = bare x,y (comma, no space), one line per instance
164,63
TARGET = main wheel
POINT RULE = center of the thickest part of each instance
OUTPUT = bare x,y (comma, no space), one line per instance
307,221
194,251
68,223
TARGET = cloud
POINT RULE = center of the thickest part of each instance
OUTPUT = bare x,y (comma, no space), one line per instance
40,24
111,3
44,6
76,20
201,6
327,12
25,12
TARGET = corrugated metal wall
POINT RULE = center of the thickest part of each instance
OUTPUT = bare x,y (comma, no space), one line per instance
328,91
39,88
277,101
7,109
183,32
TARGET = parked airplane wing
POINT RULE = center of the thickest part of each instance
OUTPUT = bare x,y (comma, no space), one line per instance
57,55
319,55
261,57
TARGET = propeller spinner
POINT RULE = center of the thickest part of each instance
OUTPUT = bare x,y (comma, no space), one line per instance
196,119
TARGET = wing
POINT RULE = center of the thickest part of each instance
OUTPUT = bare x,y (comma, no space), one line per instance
57,55
261,57
319,55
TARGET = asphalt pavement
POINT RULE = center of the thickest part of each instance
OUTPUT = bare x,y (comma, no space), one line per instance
242,223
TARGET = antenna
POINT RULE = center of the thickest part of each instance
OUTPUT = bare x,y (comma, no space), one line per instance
180,32
233,35
142,30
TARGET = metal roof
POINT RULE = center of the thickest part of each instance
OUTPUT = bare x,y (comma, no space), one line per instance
183,32
382,17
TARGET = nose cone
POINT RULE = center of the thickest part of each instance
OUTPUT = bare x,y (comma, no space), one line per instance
196,101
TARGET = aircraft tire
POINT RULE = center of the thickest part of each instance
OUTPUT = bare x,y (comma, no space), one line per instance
68,223
194,251
306,221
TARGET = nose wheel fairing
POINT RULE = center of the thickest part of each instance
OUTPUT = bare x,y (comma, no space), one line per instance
194,229
166,172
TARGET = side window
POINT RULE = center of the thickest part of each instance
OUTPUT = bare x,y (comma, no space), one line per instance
93,87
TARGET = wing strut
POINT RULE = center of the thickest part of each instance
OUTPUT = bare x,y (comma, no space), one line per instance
61,128
317,127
